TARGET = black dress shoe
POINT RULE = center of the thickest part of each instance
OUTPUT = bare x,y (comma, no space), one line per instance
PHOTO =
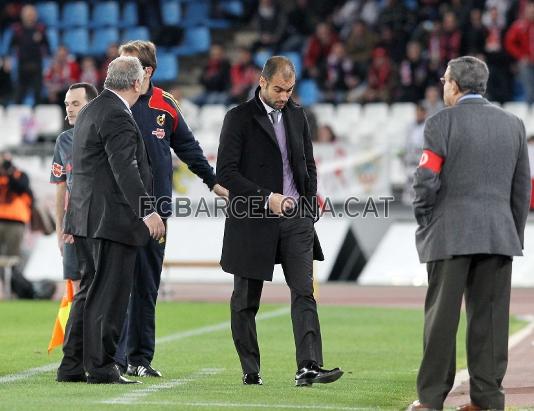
316,375
142,371
252,379
71,378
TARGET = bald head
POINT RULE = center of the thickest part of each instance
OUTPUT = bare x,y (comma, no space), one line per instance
278,65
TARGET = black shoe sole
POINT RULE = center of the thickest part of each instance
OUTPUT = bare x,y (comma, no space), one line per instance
71,378
325,379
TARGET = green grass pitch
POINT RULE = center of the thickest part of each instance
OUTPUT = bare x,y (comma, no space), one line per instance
379,350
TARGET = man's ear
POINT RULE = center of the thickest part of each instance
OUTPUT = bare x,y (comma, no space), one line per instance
263,82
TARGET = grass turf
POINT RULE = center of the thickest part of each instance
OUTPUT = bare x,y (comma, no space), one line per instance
379,350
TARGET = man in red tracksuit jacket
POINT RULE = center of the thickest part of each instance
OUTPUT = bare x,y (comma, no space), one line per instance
519,43
163,128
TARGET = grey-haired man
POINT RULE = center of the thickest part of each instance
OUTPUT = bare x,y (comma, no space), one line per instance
472,197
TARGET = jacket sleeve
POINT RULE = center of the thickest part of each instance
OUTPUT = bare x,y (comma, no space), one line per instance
427,175
311,169
521,186
228,158
189,151
120,138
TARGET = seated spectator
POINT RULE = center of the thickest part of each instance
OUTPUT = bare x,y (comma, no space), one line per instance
433,101
318,48
270,23
501,80
89,71
520,45
360,44
474,37
380,79
300,24
63,71
413,73
396,15
339,75
112,53
450,39
393,43
413,150
243,76
6,84
215,78
325,135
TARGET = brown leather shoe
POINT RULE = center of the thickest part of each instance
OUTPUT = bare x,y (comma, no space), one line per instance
468,407
417,406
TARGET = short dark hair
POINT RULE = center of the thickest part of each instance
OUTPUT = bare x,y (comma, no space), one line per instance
90,90
470,73
278,64
144,50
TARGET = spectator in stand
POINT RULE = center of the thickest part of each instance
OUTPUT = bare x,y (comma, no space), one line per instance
31,45
243,76
392,43
380,79
300,24
360,44
339,76
6,84
462,10
396,15
450,39
270,22
215,78
413,151
318,48
501,80
112,53
474,35
432,102
89,71
10,13
325,135
500,7
354,10
413,74
63,71
519,43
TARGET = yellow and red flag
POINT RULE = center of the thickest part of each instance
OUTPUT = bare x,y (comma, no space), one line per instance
58,333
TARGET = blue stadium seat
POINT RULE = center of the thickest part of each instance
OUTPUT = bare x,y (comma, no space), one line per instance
105,14
232,7
196,13
5,41
129,15
102,38
167,70
308,92
53,39
77,40
75,14
135,33
296,58
261,57
196,40
171,12
48,13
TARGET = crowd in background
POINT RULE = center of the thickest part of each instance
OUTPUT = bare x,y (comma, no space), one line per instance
354,50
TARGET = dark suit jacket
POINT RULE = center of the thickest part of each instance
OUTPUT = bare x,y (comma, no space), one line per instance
249,165
479,202
111,174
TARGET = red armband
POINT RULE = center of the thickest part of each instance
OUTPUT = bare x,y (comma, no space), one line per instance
431,160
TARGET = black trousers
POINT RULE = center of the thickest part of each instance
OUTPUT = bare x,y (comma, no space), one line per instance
138,338
295,248
99,308
486,281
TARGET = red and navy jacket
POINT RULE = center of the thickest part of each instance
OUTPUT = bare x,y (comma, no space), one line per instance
163,127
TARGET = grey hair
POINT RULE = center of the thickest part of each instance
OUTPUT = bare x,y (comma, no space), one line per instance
123,72
470,73
278,64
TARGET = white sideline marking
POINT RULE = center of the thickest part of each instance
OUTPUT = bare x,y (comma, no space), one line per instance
162,340
28,373
251,405
462,376
216,327
133,397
